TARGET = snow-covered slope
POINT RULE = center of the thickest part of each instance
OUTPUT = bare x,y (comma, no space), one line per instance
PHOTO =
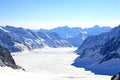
101,53
22,39
19,39
77,35
53,40
48,64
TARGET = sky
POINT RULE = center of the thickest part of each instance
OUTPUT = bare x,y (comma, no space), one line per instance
47,14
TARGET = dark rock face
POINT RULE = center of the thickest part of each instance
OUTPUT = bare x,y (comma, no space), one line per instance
116,76
6,58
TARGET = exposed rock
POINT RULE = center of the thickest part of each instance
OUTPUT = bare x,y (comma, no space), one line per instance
7,60
116,76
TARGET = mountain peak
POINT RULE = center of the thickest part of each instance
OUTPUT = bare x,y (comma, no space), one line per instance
96,26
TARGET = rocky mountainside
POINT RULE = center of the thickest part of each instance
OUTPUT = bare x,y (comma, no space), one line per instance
6,58
53,40
77,35
100,53
19,39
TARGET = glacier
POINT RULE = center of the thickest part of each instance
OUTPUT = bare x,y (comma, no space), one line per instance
48,64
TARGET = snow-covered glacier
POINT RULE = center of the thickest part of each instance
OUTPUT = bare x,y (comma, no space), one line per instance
48,64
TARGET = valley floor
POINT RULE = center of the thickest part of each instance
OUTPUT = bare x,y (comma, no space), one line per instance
48,64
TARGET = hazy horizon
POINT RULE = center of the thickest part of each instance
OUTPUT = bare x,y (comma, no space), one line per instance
55,27
48,14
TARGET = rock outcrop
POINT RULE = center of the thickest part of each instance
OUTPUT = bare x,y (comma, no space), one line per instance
6,59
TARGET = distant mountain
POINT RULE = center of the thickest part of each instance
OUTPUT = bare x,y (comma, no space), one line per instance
65,32
78,39
77,35
96,30
100,53
53,40
19,39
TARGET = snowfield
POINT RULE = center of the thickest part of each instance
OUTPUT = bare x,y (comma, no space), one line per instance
48,64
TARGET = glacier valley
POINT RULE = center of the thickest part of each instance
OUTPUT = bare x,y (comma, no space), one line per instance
48,64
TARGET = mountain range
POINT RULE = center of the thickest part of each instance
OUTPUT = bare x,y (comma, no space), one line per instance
20,39
100,53
77,35
98,49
